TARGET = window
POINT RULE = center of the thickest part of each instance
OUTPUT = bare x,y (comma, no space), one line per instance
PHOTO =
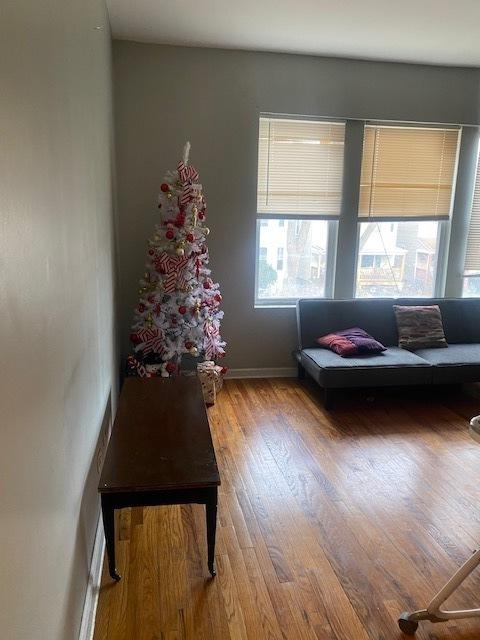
397,267
367,261
280,259
294,265
471,275
395,244
300,172
406,191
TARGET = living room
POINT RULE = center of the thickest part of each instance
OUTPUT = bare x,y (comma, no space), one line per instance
276,206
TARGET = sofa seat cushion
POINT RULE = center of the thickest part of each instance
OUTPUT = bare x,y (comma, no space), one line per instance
458,363
394,366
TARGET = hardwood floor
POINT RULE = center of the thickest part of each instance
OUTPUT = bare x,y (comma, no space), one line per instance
330,523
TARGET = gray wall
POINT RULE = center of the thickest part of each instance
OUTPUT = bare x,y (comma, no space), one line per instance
56,300
166,95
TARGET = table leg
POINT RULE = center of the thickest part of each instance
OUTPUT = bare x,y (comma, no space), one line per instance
211,514
108,515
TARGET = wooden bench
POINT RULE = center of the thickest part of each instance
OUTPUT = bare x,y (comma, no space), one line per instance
160,453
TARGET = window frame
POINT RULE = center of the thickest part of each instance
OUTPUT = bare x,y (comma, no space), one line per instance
441,249
332,229
444,225
343,231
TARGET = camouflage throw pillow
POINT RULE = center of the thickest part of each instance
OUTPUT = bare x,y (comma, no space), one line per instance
419,327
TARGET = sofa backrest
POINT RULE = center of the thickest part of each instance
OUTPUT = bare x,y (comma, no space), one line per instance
316,317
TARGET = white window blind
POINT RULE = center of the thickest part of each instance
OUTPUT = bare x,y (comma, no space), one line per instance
472,258
408,172
300,167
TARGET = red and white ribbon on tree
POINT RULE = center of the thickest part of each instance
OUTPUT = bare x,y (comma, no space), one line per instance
151,339
187,172
173,268
186,195
210,341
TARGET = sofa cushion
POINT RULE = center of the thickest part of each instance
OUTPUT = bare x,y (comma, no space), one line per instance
394,366
458,363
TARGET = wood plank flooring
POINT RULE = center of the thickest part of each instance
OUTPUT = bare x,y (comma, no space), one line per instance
330,523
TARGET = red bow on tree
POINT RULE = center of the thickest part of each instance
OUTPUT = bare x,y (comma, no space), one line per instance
150,340
174,269
187,172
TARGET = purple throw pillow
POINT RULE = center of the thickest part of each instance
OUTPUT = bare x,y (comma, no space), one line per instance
351,342
363,340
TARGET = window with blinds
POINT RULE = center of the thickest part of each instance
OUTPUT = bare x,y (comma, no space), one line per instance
408,172
472,257
300,167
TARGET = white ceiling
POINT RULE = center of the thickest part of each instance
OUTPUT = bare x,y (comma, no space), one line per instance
430,31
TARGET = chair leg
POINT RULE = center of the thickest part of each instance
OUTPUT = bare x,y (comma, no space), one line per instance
301,372
408,622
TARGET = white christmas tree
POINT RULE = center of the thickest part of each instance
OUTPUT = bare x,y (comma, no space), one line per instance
178,310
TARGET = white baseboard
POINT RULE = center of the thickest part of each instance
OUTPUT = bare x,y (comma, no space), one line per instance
93,588
271,372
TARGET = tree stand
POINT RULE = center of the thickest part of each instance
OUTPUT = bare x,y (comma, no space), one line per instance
408,622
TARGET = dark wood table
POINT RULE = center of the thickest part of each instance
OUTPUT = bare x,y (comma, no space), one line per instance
160,453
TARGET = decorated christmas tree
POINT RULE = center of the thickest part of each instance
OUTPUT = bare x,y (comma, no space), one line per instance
178,310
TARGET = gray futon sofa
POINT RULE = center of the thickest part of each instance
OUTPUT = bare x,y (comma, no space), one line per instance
458,363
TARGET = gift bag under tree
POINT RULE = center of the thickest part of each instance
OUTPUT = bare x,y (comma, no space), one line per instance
211,377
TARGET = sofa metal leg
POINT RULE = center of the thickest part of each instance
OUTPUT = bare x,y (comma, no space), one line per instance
301,372
327,398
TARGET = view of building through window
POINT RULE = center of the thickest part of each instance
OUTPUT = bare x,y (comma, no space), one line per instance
397,259
471,284
292,257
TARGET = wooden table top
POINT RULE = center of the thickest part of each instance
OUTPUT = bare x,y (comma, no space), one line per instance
160,439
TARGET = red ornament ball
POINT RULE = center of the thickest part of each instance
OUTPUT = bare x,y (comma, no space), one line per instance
206,284
182,310
224,371
165,187
151,252
134,338
170,367
141,307
201,216
218,297
190,237
188,345
179,221
170,235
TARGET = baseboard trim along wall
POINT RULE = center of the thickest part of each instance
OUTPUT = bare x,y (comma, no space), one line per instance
93,589
273,372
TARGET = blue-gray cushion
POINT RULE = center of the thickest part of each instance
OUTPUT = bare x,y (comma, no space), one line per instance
393,366
457,363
